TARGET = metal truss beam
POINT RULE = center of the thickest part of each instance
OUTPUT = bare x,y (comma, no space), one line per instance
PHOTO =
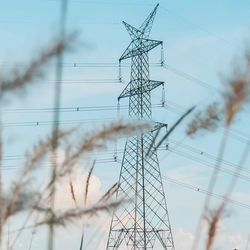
138,47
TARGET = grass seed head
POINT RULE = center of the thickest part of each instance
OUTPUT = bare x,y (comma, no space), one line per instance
204,121
237,91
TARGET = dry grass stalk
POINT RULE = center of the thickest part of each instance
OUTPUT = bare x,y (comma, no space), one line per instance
20,230
20,200
150,151
19,80
32,238
97,140
248,242
72,191
42,149
87,182
236,95
208,121
34,231
8,238
1,209
153,141
85,198
109,193
38,154
72,215
237,171
15,204
101,134
213,225
55,131
81,242
211,186
238,91
41,198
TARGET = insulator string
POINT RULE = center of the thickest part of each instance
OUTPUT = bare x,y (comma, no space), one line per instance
163,100
162,55
120,71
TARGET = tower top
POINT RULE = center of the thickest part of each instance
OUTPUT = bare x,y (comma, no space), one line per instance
144,30
139,36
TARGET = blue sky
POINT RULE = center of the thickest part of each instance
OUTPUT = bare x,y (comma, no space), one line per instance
202,39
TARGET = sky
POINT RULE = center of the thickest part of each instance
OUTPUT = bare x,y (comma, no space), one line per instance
203,41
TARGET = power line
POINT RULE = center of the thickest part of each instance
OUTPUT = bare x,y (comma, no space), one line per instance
236,134
167,179
233,133
205,162
190,78
171,68
178,152
69,109
84,81
49,165
207,155
85,64
106,2
203,191
172,180
46,123
208,164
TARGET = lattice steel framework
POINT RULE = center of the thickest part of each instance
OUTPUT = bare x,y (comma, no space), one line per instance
143,223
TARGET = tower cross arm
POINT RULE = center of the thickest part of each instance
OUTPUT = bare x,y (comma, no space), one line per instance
147,86
158,125
138,47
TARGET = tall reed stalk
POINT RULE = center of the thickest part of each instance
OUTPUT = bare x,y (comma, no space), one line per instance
57,104
1,156
236,94
211,186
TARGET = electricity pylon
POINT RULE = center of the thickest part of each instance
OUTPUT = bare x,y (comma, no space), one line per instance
143,221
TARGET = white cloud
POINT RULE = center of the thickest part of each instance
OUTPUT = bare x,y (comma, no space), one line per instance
183,239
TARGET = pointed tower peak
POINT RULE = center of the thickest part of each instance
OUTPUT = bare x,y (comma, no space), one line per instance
148,23
145,28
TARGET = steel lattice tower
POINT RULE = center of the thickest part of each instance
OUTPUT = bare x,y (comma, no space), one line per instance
143,222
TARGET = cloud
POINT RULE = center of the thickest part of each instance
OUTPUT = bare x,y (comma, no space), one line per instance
183,239
237,241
